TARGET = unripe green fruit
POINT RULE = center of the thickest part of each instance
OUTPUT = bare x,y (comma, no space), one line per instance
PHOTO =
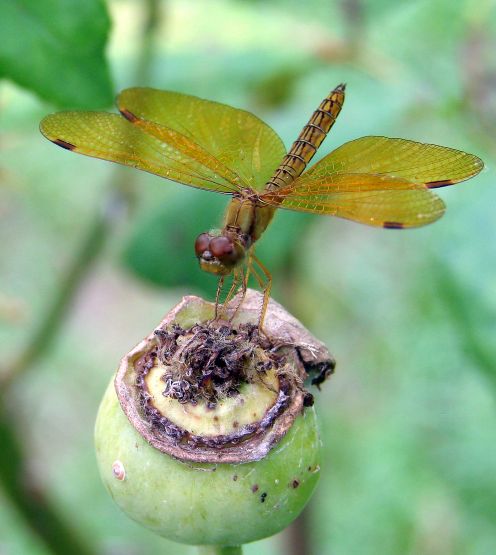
221,504
207,435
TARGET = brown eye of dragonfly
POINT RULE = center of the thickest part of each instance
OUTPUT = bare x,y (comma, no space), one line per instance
202,243
221,247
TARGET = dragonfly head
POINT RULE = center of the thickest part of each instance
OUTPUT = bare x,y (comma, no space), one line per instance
218,253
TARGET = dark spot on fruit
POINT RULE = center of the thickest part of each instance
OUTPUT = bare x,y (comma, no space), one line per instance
254,488
235,477
308,400
295,483
263,497
235,424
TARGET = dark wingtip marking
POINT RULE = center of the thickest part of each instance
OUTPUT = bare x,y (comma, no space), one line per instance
440,183
128,115
64,144
341,87
392,225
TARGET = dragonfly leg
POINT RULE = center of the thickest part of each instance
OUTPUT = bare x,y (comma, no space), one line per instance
261,284
265,286
232,290
220,285
245,273
248,267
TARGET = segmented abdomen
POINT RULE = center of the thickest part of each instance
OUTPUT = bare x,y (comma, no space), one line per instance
308,141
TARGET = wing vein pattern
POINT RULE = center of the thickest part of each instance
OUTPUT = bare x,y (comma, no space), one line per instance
183,138
378,181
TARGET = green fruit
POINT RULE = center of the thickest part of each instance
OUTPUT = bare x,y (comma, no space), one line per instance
206,435
221,504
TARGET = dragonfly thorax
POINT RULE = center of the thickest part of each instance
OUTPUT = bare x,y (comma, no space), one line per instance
219,252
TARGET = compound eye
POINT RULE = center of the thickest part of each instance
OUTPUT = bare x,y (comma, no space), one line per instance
221,247
201,244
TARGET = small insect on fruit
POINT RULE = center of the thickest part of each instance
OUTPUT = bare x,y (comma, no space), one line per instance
377,181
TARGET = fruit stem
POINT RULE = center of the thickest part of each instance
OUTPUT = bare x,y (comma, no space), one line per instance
220,550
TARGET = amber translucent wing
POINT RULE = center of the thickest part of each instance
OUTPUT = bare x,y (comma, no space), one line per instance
381,201
432,165
245,147
111,137
379,181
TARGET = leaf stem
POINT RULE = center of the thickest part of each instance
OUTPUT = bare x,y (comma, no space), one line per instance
44,519
220,550
120,197
42,338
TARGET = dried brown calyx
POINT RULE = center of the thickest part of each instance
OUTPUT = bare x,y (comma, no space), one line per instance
205,391
210,362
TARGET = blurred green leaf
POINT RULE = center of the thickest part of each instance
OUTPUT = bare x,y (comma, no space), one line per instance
160,249
278,87
56,49
470,315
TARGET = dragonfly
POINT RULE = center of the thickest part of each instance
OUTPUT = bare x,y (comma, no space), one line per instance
374,180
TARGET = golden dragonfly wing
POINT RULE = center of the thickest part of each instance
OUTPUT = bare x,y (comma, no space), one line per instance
112,137
237,139
379,181
432,165
376,200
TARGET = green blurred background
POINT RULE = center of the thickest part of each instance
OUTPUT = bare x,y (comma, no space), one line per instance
92,257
